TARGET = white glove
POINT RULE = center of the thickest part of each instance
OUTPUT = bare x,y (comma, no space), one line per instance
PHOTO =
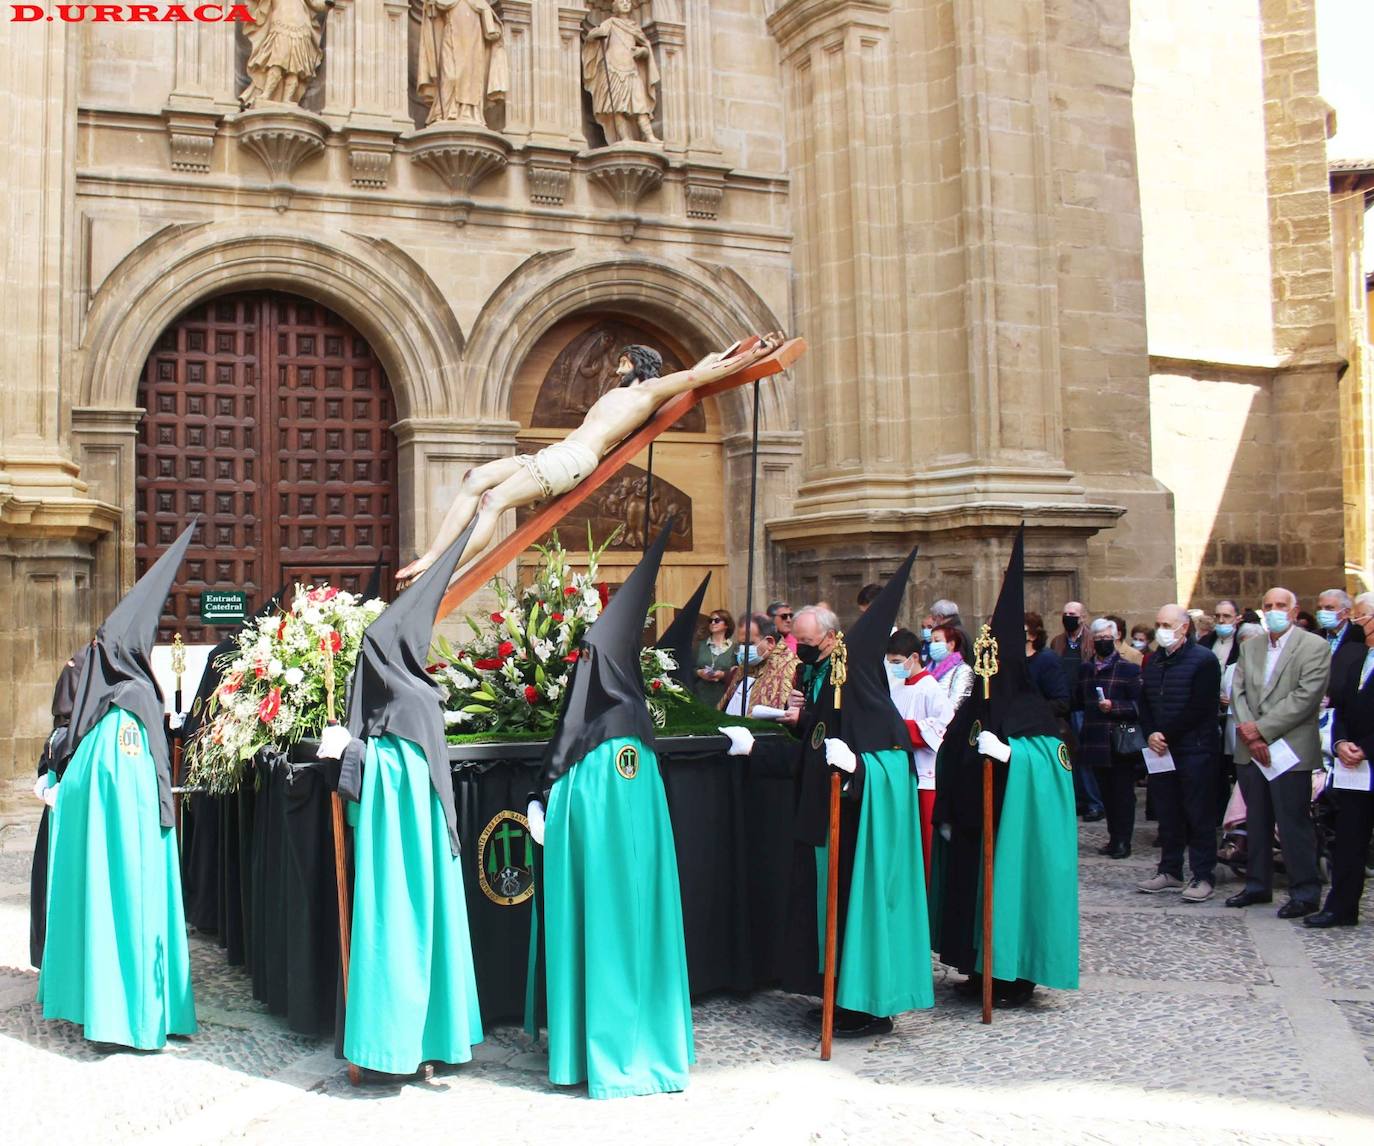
989,744
41,788
334,740
741,741
535,814
50,795
839,755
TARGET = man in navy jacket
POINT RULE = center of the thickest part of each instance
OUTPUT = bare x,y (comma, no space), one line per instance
1181,683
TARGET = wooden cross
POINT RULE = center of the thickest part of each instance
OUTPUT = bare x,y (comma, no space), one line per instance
539,524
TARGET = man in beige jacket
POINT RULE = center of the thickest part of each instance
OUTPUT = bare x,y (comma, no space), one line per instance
1277,697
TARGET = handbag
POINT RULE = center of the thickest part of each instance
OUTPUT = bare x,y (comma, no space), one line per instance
1127,739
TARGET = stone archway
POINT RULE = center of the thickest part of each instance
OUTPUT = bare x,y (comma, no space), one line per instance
371,284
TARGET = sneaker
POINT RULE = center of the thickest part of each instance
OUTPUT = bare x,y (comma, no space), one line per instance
1161,882
1197,891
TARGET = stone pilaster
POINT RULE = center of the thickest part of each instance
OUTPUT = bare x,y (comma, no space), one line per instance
701,103
517,15
778,464
670,47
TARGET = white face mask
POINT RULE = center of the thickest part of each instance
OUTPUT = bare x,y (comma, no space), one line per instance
1139,644
1165,637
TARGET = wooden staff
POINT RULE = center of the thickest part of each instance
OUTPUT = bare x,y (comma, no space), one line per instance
340,857
985,665
839,673
178,667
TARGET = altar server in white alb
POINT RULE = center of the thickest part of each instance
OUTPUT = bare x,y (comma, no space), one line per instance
925,707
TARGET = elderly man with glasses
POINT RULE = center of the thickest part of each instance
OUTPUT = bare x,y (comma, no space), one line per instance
780,613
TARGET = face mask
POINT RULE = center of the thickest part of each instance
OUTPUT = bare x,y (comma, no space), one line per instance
897,671
938,651
1071,623
1225,630
1139,645
1105,647
1164,637
1326,618
1276,620
925,634
754,655
808,654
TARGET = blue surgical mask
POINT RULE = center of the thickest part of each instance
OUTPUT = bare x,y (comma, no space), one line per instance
754,655
1276,620
1326,618
897,671
925,634
938,651
1224,630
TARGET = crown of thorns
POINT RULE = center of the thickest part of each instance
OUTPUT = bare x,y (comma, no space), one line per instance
647,363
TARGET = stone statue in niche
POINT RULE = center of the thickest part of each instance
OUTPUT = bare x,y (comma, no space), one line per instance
462,60
619,71
285,51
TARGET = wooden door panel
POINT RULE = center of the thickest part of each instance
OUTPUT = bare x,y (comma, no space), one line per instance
270,417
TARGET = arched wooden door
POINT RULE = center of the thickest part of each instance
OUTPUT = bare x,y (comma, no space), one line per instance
269,416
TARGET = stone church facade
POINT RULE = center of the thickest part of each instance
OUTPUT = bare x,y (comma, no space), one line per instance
305,318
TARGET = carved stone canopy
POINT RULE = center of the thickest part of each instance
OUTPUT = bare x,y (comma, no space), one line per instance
282,137
627,172
463,155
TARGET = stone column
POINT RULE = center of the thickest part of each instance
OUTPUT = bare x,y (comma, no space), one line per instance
701,103
778,466
347,52
517,15
670,42
204,77
564,94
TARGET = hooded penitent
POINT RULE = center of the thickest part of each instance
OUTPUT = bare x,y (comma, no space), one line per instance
392,692
680,637
605,697
118,674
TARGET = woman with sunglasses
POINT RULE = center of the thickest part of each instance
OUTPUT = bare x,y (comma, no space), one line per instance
715,658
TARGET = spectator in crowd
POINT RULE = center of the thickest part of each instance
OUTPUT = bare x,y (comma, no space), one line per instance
1229,796
1246,632
1333,619
715,658
1043,666
946,612
1352,742
1141,636
1222,639
924,705
1128,654
1073,646
1202,624
1179,693
867,595
780,613
949,654
1307,622
1277,694
1108,695
772,670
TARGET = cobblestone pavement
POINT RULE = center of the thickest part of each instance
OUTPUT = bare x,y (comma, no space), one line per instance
1194,1024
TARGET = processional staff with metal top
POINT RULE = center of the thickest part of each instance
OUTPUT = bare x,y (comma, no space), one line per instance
985,665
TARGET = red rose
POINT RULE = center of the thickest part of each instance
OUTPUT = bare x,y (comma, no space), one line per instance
333,641
497,619
259,669
658,684
505,648
436,667
570,591
557,618
281,629
571,658
489,663
604,592
531,693
329,594
270,706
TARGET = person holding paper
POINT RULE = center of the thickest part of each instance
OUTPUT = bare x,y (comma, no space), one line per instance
1277,696
772,669
1352,790
1178,713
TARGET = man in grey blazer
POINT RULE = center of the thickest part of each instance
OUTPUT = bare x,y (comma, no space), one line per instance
1277,695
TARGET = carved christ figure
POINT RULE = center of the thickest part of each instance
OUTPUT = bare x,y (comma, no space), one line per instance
619,71
462,60
285,38
489,490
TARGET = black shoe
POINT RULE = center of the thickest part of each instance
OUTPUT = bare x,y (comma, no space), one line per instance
1297,908
860,1024
1330,919
1015,996
970,988
1119,851
1107,848
1092,815
1246,898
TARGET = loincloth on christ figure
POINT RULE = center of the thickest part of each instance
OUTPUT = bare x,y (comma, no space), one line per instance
559,467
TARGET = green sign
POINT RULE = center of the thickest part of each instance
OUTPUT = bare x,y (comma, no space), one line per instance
223,607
